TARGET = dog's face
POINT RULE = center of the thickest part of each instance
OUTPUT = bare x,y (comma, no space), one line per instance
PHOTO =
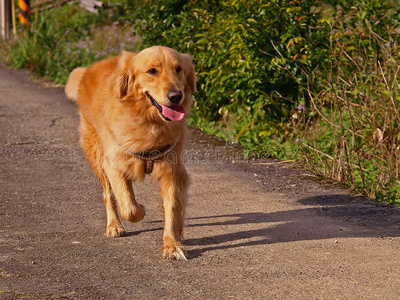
160,76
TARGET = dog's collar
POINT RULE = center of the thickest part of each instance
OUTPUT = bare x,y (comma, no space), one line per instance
149,156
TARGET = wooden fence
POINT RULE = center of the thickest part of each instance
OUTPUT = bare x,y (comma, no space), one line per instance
41,5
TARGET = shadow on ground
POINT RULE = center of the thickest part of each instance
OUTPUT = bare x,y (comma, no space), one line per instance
333,217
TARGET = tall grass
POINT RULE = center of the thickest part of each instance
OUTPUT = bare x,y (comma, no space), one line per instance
355,136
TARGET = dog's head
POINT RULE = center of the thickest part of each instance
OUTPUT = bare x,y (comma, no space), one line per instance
161,77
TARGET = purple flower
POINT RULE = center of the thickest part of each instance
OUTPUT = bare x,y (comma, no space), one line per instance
300,107
82,45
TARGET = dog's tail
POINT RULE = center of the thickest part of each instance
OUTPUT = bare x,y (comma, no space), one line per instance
72,87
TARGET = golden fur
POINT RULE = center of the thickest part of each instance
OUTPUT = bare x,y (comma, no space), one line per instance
117,115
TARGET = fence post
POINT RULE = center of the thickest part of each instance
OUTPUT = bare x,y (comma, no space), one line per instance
5,19
13,18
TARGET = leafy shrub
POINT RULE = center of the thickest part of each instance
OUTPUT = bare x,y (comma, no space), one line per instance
307,79
245,89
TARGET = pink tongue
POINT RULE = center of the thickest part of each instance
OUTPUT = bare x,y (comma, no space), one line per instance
174,114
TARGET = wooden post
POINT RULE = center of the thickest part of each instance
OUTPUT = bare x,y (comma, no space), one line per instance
5,19
14,22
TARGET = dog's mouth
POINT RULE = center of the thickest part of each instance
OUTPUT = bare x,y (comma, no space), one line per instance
174,113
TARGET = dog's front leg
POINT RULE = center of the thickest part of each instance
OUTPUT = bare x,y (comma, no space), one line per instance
122,188
173,181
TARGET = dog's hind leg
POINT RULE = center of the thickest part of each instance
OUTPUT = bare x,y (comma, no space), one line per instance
90,143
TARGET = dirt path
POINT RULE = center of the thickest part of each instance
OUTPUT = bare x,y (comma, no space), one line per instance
254,230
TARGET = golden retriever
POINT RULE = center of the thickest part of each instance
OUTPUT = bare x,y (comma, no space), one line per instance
133,111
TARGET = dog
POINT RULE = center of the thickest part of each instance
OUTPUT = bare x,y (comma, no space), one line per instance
133,110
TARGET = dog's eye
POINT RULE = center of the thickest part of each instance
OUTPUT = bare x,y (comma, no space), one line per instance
152,71
178,70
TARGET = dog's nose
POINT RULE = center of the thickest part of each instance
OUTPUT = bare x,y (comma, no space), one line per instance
175,96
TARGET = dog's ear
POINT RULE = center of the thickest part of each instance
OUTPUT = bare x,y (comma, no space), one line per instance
190,74
125,75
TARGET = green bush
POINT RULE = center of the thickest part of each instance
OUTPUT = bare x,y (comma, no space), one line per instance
246,90
299,78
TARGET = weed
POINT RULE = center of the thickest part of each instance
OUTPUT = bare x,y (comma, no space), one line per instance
356,135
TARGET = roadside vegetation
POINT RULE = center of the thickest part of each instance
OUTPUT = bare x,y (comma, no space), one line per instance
312,81
67,37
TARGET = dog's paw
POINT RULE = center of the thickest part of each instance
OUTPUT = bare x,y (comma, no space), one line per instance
174,252
135,215
115,231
